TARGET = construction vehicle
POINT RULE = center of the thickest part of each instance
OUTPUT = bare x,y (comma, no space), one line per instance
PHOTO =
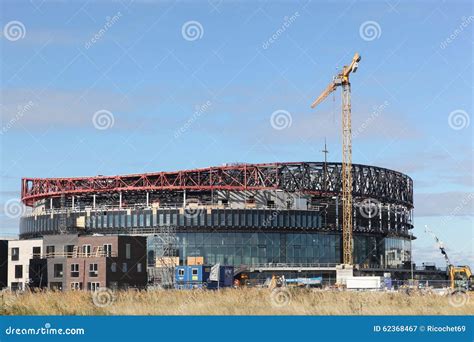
460,277
276,281
342,80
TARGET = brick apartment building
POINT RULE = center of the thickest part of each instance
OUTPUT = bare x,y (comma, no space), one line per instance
89,262
65,262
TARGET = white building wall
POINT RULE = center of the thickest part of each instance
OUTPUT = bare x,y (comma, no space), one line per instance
25,254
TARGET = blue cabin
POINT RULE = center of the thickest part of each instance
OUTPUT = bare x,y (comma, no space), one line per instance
191,277
197,277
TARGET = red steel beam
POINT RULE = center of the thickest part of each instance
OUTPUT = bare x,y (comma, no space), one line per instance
235,177
369,181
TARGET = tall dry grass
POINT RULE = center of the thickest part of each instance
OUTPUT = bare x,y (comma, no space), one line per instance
246,301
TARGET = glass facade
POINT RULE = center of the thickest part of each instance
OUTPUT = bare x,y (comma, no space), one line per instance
257,248
397,251
246,248
239,237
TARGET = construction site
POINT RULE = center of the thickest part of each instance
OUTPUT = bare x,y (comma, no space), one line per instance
334,226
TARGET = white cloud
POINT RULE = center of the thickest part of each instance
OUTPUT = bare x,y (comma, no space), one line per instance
58,108
447,204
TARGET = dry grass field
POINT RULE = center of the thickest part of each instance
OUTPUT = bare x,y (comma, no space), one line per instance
249,301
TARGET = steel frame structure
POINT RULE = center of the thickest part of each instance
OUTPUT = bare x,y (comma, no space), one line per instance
318,178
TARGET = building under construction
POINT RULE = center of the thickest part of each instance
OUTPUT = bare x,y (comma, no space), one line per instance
259,218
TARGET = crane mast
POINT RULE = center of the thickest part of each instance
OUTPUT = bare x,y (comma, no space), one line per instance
342,80
346,175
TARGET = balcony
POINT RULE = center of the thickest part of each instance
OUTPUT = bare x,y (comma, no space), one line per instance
79,254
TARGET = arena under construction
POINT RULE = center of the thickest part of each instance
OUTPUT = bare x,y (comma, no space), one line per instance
259,218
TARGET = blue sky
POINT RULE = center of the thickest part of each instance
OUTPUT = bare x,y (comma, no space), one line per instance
411,97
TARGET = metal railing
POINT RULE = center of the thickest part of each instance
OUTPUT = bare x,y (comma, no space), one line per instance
171,206
94,254
292,265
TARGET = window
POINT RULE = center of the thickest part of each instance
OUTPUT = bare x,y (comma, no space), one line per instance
36,252
58,270
113,267
76,286
56,286
50,251
92,286
127,251
74,270
181,272
15,254
93,270
86,250
124,267
17,286
69,251
108,250
19,271
195,271
139,267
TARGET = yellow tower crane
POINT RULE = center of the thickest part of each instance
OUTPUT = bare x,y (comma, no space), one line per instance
342,79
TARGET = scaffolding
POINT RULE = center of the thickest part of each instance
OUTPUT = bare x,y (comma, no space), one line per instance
63,215
163,257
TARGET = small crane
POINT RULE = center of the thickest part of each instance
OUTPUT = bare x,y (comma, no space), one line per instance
460,277
440,245
342,80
